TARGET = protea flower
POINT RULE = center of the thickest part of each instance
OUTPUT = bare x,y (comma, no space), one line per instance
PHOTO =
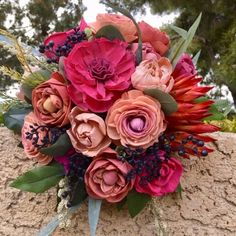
186,126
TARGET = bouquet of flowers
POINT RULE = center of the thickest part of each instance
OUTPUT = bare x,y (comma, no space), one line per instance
109,114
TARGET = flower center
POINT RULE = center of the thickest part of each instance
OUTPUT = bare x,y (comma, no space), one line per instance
101,69
137,124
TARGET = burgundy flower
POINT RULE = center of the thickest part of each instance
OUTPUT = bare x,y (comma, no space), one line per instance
99,72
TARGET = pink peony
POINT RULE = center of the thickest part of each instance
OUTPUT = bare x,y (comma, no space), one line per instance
105,177
99,72
170,173
135,120
184,66
153,73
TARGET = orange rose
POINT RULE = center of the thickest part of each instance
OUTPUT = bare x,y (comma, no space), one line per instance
153,74
88,133
105,177
30,149
122,23
158,39
136,120
51,101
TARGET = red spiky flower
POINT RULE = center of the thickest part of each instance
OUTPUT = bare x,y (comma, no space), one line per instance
186,126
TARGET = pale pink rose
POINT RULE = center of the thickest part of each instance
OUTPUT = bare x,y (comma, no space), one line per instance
105,177
136,120
157,38
88,133
51,101
122,23
30,149
153,74
148,52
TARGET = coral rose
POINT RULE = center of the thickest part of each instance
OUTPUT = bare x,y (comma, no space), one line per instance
99,72
30,149
153,74
136,120
158,39
184,66
122,23
105,177
170,173
88,133
51,101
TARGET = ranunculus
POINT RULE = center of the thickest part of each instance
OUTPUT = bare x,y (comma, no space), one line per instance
153,74
184,66
136,120
30,148
167,182
158,39
122,23
105,177
88,133
148,51
59,39
99,72
51,101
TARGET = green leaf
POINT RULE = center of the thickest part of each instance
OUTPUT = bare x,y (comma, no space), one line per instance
80,195
39,179
110,32
183,44
168,103
179,190
59,148
196,57
14,118
136,202
37,77
127,14
94,207
27,90
183,33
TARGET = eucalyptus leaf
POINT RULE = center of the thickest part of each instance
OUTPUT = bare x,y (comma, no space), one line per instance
59,148
27,90
136,202
168,103
39,179
94,207
14,118
110,32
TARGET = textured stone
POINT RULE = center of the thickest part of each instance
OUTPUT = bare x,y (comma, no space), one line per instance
207,206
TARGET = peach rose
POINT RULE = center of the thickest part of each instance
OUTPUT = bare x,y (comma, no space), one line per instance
136,120
158,39
105,177
153,74
30,149
122,23
88,133
51,101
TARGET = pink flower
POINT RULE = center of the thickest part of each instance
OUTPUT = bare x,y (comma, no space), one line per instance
170,173
122,23
64,160
88,133
148,52
51,101
135,120
158,39
184,66
153,73
99,72
105,177
59,39
29,148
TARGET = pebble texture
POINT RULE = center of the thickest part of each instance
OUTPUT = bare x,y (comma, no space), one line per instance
207,206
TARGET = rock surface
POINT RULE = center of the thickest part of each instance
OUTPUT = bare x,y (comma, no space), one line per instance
207,207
